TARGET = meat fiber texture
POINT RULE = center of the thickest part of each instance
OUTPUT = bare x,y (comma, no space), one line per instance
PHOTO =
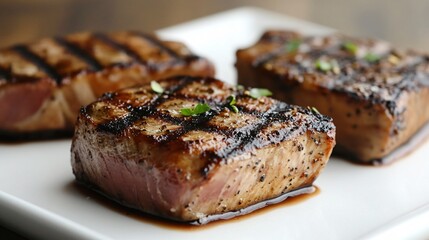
136,147
43,85
376,94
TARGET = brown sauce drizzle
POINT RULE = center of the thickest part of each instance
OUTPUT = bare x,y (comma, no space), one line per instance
285,200
28,55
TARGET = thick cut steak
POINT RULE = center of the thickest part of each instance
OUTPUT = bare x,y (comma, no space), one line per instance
43,85
376,95
137,147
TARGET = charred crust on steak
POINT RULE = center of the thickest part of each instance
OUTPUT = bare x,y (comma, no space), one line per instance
44,84
375,93
84,50
82,54
121,47
24,52
139,148
142,113
378,82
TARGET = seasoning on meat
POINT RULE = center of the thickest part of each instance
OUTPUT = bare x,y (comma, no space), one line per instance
376,94
43,85
138,148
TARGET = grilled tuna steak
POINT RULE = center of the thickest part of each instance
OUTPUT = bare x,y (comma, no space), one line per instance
138,148
375,94
43,85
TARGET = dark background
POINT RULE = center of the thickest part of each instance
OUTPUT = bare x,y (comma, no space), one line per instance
402,22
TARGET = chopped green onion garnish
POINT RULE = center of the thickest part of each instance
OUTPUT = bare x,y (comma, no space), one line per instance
335,67
259,92
198,109
293,46
234,108
350,47
231,102
231,99
323,65
371,57
313,109
156,87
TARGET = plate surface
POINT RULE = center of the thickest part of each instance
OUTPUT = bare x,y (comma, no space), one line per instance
38,198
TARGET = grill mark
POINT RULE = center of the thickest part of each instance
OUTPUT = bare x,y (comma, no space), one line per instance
241,139
80,53
216,110
248,140
407,82
200,121
313,54
28,55
118,125
191,58
244,136
197,122
5,73
156,42
121,47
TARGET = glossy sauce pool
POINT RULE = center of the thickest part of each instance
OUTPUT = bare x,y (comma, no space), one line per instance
285,200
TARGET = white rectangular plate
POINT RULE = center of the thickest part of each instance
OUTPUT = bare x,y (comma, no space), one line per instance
37,196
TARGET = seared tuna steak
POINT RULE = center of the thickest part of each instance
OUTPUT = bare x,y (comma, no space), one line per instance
376,95
199,150
43,85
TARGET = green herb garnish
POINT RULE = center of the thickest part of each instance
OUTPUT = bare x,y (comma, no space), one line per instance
156,87
313,109
335,67
293,46
231,102
323,65
198,109
371,57
259,92
350,47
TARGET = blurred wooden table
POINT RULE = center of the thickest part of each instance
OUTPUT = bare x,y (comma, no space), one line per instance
401,22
